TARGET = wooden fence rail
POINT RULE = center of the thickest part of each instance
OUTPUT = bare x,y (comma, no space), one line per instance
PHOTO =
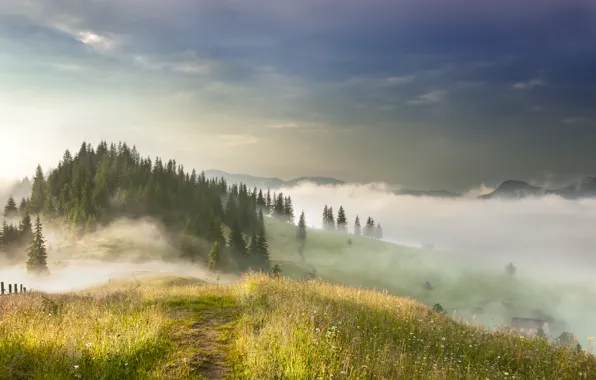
12,289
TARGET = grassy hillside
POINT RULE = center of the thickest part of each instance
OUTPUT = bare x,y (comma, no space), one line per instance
261,328
489,296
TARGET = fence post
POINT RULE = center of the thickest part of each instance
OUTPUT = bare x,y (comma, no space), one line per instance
9,288
15,289
21,288
24,290
1,288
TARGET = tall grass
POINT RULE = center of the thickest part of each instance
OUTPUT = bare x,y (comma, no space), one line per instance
262,328
111,336
317,330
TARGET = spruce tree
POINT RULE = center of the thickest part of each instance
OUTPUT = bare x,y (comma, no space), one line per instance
10,209
301,233
369,228
342,222
25,228
215,256
357,227
37,262
261,200
326,217
268,203
237,244
23,206
261,220
331,218
252,251
38,192
262,253
288,210
279,207
379,232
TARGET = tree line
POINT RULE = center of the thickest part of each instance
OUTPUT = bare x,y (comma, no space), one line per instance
100,184
370,229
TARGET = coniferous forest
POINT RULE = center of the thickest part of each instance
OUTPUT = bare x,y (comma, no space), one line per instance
98,185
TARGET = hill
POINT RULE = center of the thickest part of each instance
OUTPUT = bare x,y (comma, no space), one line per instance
512,189
269,183
261,328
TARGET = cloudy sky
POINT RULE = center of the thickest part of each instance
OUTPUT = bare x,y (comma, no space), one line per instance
426,93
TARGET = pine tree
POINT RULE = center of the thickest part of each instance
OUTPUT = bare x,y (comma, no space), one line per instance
23,206
37,262
25,228
49,208
288,210
268,203
38,192
369,228
262,253
357,227
379,232
215,256
261,200
10,209
326,217
342,222
261,220
279,207
301,233
331,218
237,244
215,234
252,250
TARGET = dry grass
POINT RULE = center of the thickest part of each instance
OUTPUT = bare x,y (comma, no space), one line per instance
262,328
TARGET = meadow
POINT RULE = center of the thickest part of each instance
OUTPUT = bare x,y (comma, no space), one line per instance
259,328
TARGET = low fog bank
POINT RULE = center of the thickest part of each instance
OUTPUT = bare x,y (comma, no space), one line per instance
78,275
536,234
123,249
550,240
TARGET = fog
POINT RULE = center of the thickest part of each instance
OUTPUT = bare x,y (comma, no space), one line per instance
552,241
123,250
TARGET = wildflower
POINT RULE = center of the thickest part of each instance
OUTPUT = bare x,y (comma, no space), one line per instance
88,345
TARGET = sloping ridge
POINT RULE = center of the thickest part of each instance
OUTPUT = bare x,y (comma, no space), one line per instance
513,189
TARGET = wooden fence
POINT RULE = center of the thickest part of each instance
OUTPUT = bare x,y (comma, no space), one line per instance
12,289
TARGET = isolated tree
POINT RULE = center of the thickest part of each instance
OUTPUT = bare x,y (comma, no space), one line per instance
510,269
342,222
215,256
10,209
379,232
276,271
37,262
301,233
357,227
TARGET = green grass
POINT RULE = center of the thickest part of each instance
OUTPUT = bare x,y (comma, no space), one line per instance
260,328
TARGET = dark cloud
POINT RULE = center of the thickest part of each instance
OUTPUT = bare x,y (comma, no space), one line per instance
469,72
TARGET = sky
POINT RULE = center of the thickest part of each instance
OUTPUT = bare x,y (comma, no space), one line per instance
428,94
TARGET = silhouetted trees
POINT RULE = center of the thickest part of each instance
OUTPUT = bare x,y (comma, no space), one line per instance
357,227
342,222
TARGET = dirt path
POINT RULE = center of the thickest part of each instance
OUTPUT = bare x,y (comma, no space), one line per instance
202,337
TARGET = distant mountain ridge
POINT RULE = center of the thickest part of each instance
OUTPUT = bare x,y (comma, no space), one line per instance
509,189
269,182
514,189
